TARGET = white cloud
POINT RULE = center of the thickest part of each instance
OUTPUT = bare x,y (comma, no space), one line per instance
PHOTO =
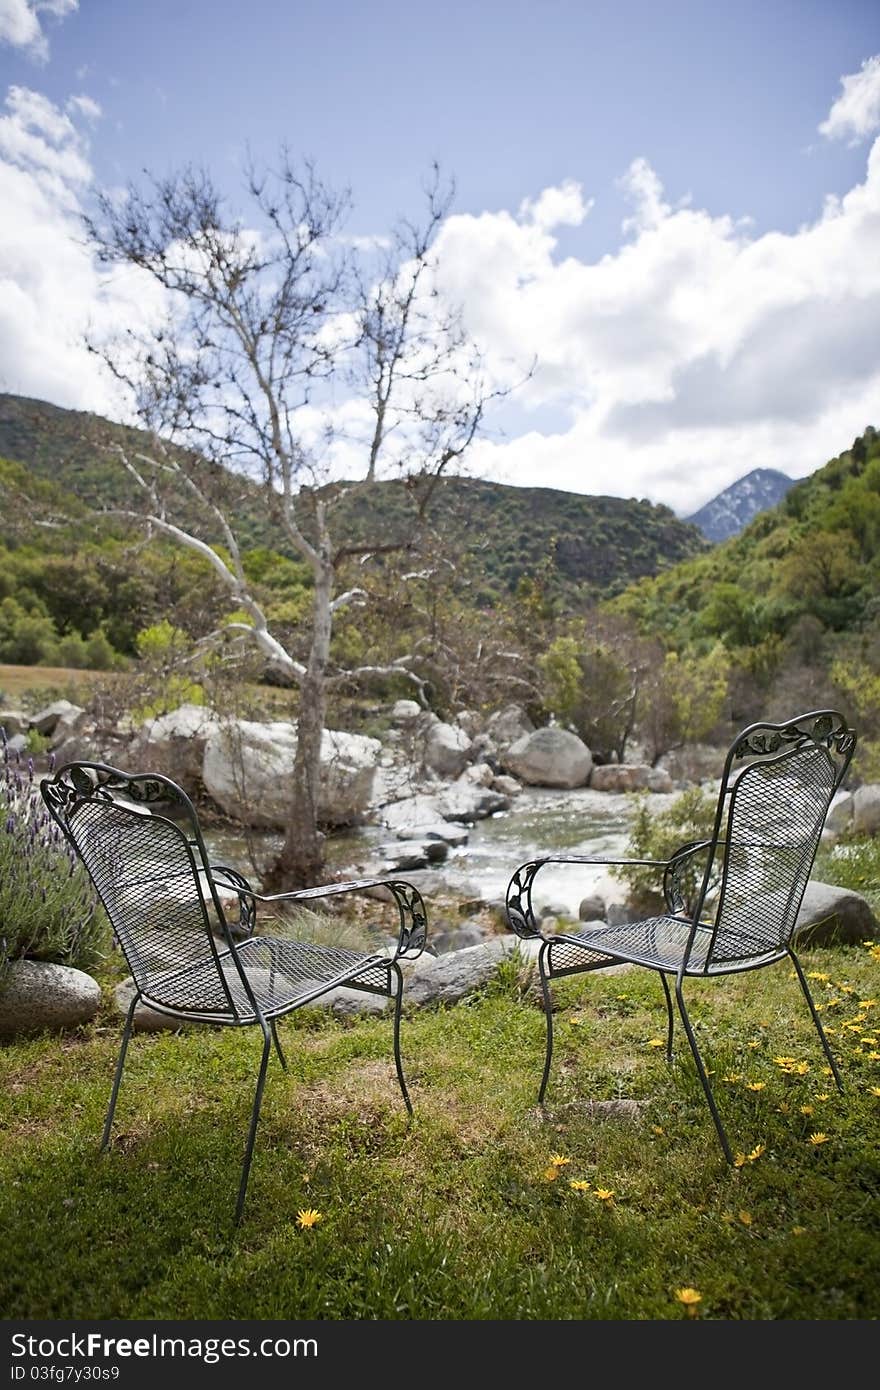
856,112
50,290
85,106
696,352
21,26
556,207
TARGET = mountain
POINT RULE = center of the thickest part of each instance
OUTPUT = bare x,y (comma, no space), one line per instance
585,546
732,510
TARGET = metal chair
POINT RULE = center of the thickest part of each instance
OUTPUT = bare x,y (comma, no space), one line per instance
732,900
139,838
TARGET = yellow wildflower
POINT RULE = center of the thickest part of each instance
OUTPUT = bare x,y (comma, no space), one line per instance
551,1174
739,1160
756,1152
756,1085
799,1230
579,1185
746,1218
732,1076
874,1090
308,1217
806,1109
656,1042
690,1298
559,1160
819,1138
605,1194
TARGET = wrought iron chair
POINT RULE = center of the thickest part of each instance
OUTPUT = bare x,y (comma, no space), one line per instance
732,900
140,840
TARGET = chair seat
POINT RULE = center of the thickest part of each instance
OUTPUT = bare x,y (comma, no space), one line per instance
282,975
660,944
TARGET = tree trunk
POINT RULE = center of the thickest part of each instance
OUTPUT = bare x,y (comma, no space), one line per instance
301,861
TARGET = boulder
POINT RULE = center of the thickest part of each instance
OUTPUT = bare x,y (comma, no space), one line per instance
175,743
832,916
630,777
445,749
550,757
37,994
840,813
451,834
247,768
508,725
14,721
145,1020
591,909
57,721
866,809
405,712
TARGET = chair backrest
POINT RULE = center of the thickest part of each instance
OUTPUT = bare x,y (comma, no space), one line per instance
776,788
138,836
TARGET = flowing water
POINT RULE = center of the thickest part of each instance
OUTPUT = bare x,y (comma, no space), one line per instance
540,821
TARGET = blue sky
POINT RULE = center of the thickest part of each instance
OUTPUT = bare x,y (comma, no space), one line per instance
675,207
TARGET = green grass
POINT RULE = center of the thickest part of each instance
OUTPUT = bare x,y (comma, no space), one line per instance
455,1215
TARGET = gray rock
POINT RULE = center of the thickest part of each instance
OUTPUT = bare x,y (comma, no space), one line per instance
508,725
445,749
145,1020
840,815
14,721
36,994
508,786
866,809
832,916
550,757
175,742
448,832
405,712
458,938
247,770
628,777
59,712
591,909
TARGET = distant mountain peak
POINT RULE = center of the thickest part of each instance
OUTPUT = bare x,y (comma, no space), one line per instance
732,510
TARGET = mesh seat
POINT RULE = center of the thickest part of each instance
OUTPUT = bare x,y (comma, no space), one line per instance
139,838
777,784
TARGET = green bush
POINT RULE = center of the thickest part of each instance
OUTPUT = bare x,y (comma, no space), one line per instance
657,836
48,910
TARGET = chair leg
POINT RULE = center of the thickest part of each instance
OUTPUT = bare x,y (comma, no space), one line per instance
548,1017
670,1017
281,1057
819,1029
126,1035
255,1115
701,1071
398,1005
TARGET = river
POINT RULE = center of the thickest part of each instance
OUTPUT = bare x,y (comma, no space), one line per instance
539,821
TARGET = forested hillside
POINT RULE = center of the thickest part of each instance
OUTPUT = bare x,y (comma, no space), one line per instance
584,546
612,615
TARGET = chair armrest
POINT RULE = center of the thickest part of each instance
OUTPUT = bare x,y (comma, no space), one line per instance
413,920
680,889
518,902
224,877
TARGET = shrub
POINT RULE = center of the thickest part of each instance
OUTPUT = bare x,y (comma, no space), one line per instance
48,909
689,817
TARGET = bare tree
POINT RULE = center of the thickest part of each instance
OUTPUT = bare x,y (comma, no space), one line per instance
271,324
